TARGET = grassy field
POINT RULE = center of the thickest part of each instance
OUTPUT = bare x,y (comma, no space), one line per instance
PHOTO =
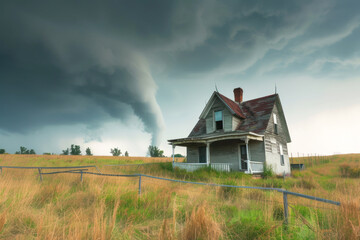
62,207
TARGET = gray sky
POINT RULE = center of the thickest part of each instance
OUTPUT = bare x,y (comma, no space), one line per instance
132,73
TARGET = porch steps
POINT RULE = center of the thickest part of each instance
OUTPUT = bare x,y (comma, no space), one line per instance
256,176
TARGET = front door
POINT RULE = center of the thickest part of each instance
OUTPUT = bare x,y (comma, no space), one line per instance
202,154
243,156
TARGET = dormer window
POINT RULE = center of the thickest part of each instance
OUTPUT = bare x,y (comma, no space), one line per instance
275,124
219,120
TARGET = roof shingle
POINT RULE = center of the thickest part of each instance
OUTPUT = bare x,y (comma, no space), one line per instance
233,105
257,112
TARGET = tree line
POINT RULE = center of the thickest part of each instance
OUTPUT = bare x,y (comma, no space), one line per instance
153,151
23,150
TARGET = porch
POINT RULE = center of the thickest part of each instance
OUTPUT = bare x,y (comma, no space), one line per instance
225,152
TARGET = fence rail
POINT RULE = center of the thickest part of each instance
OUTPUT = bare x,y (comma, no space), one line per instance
82,170
67,167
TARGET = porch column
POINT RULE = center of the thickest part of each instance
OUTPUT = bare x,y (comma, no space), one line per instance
173,152
208,154
247,155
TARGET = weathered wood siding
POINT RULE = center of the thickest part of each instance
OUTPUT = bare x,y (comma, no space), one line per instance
272,141
225,152
227,117
192,154
257,151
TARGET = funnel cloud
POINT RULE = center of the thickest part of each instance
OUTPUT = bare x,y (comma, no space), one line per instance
71,69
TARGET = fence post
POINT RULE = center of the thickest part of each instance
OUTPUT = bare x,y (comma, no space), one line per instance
286,209
81,175
140,185
39,169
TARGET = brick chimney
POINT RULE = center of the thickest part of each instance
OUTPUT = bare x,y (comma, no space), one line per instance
238,95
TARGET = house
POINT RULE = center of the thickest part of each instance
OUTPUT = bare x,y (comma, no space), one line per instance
237,135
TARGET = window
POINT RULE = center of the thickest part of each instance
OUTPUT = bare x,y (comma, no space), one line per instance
219,120
282,162
275,124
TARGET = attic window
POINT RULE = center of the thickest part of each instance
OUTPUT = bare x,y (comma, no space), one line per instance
275,124
219,120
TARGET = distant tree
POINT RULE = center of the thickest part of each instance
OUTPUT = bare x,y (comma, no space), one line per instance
65,152
2,151
23,150
178,155
88,152
115,152
75,150
154,151
126,154
46,153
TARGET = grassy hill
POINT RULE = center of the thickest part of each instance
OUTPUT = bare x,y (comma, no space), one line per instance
62,207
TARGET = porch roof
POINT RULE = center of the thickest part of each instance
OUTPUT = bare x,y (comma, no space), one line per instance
218,136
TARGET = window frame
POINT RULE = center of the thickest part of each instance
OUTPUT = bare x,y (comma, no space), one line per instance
222,120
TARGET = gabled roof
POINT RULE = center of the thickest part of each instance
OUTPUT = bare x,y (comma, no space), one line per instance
257,112
232,105
199,129
254,114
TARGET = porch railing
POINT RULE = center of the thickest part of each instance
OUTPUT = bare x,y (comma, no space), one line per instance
256,167
222,167
225,167
190,167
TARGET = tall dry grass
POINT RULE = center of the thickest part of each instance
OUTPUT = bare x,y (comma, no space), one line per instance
62,207
71,160
201,225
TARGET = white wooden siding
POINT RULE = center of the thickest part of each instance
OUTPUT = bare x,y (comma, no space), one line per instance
235,122
272,149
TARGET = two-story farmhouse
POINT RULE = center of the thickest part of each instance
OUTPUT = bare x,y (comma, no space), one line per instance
238,135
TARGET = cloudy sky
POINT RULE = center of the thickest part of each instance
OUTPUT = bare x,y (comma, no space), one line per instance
128,74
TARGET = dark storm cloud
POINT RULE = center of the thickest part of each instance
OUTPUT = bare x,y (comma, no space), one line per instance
89,62
66,64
